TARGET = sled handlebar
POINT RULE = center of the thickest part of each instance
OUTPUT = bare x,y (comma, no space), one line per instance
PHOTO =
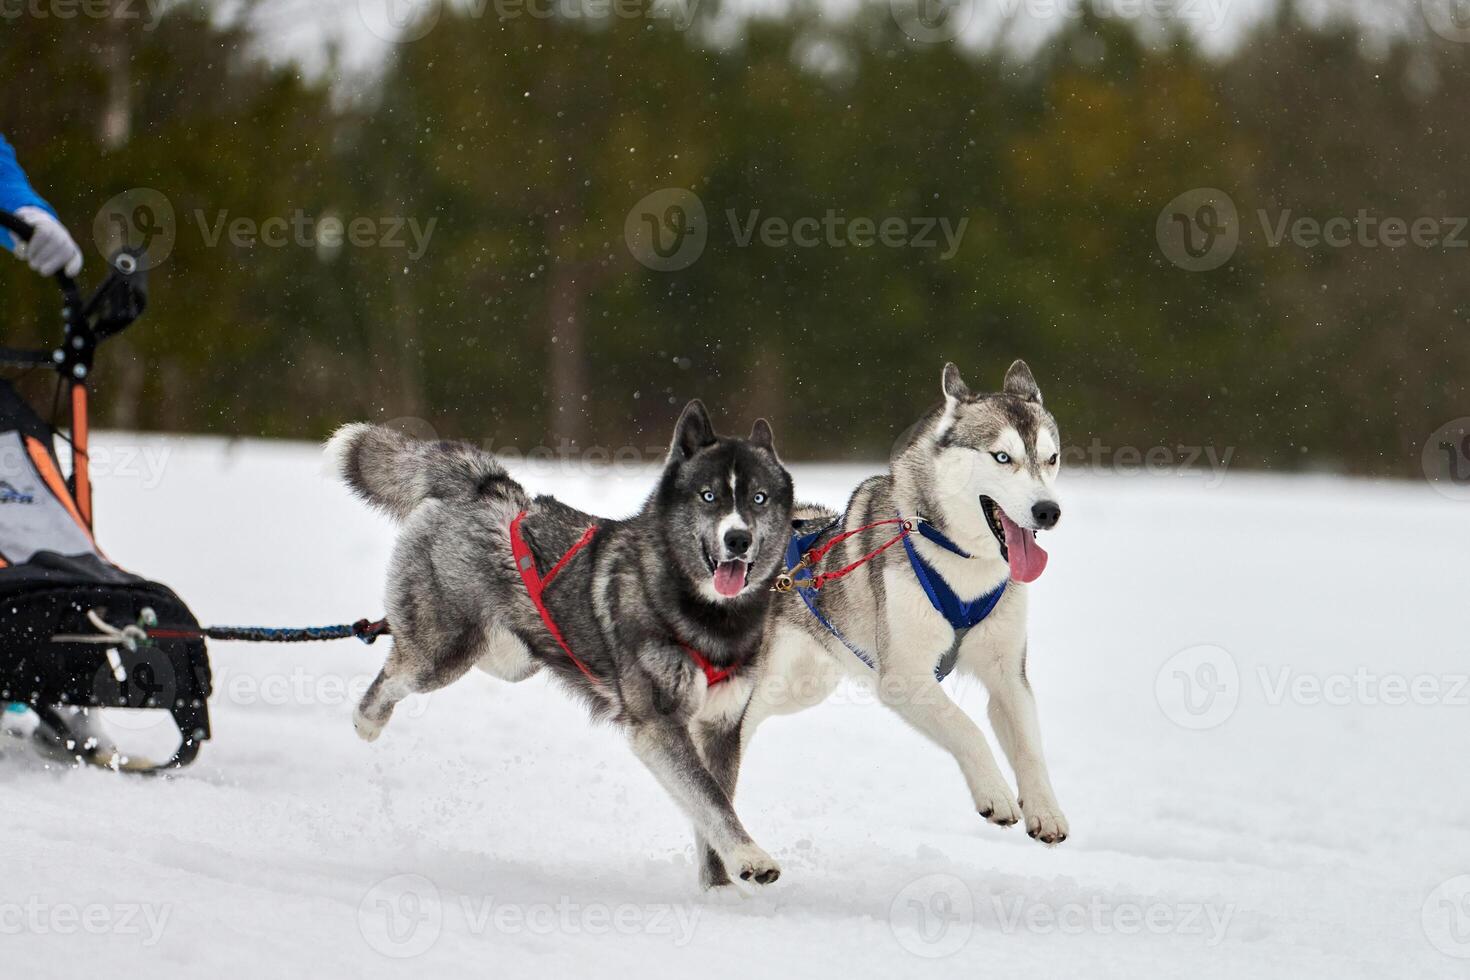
22,230
119,301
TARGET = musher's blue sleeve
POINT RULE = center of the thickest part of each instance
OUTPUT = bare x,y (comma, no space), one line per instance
15,190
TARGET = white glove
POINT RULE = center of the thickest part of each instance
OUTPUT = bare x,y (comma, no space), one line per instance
51,247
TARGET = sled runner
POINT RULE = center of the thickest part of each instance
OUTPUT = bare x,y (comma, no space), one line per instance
58,590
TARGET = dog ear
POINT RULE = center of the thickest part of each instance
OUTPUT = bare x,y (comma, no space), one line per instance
955,389
762,436
1020,383
693,432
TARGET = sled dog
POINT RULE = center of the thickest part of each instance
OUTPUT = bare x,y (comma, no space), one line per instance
968,488
655,621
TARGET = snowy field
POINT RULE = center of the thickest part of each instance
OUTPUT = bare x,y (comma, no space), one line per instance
1253,696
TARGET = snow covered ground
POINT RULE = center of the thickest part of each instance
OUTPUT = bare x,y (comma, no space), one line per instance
1253,696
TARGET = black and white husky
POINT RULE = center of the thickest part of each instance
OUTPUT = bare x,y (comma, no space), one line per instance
974,482
656,621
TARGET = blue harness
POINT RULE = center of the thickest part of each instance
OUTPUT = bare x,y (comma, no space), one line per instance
961,615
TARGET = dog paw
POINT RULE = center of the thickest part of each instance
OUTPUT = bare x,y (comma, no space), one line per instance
753,864
1046,823
367,730
998,806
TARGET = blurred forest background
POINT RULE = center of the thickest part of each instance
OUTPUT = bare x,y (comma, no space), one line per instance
527,320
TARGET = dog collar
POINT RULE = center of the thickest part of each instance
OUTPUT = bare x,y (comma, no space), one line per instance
935,535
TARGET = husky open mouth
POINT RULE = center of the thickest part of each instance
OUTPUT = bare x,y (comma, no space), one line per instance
1018,545
729,576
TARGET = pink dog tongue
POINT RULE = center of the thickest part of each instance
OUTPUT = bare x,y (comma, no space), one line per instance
730,577
1028,560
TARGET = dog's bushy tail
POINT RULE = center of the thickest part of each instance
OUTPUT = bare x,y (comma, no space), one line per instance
395,473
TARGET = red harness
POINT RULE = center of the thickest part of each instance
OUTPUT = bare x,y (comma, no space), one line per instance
786,581
712,674
536,584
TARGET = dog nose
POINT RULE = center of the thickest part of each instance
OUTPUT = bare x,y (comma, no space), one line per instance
737,542
1046,514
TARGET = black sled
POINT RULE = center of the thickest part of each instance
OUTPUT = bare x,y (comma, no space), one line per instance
61,652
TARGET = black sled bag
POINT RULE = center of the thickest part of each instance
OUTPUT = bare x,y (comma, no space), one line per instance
52,574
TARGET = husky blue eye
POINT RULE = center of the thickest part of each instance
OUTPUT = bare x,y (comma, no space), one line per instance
760,499
1052,461
708,496
1002,457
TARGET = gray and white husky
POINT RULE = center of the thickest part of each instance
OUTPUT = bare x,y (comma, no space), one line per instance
978,469
656,621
